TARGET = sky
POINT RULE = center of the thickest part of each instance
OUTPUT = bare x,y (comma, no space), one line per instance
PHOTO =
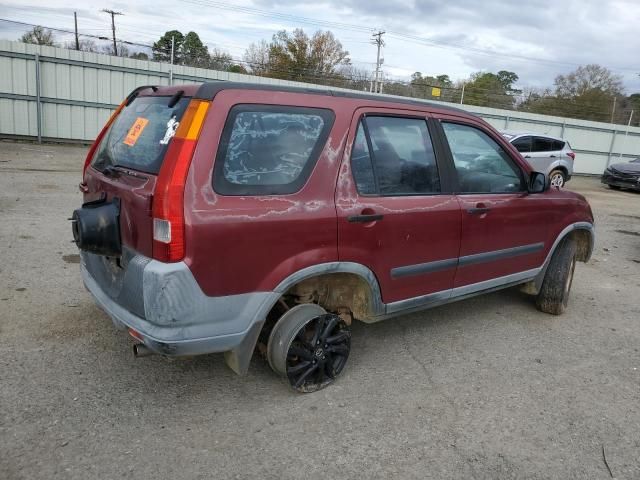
537,39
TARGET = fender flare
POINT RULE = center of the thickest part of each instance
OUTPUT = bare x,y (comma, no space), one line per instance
586,226
238,359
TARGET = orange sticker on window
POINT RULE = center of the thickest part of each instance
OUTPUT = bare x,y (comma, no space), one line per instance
135,131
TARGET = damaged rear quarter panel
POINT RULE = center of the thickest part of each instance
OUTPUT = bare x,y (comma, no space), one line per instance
251,243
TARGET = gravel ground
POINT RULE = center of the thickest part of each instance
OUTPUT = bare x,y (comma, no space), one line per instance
484,388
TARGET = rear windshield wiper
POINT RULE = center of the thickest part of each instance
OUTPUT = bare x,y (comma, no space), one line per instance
113,170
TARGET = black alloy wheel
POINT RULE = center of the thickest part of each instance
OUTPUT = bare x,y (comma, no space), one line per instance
310,347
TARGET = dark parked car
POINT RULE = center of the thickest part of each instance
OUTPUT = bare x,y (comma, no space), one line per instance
623,175
220,217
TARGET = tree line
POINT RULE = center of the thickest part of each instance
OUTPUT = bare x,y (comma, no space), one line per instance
591,92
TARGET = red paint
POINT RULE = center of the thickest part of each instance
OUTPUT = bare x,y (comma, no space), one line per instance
135,194
240,244
414,230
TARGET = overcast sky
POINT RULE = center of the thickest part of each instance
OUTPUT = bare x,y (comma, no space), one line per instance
537,39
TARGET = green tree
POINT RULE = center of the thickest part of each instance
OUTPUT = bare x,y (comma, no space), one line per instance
422,87
587,93
162,48
296,56
193,52
491,90
39,36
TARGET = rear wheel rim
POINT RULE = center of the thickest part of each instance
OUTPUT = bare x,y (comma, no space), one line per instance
318,353
557,180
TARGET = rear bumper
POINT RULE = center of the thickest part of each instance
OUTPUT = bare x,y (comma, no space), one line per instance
179,319
619,181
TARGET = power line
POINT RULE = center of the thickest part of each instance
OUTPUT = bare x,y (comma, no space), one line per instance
399,35
353,81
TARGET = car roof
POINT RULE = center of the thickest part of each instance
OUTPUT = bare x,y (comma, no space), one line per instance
515,135
210,89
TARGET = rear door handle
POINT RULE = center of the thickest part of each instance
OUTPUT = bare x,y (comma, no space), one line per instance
365,218
527,156
477,210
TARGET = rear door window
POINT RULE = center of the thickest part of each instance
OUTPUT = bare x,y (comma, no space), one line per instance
394,156
541,144
269,149
139,136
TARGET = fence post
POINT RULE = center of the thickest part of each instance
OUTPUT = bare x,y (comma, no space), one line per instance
613,141
38,102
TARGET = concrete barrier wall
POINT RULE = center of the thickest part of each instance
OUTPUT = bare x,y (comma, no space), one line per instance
59,94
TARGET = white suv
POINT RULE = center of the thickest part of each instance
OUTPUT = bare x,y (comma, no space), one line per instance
550,155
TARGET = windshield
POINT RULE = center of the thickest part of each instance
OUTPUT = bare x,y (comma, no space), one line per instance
139,137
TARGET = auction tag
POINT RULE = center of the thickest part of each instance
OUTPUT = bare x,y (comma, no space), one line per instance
135,131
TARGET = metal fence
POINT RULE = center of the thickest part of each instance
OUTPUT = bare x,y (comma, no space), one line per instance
64,95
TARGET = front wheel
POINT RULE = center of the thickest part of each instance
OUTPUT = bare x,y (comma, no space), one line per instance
309,347
554,293
557,178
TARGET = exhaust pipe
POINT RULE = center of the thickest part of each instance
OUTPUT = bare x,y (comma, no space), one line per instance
140,350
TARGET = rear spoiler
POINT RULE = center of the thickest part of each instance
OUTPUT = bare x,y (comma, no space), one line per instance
132,96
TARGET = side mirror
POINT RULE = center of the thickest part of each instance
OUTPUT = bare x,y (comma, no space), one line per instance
538,183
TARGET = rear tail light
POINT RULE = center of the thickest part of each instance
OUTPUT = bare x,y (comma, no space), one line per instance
96,143
168,203
572,155
161,230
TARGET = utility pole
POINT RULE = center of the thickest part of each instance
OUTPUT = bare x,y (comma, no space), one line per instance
173,44
462,96
113,27
75,21
613,110
377,40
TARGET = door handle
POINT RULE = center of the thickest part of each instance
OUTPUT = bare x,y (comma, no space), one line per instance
374,217
479,209
527,156
552,156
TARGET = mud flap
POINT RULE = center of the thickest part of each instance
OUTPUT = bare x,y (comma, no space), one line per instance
239,358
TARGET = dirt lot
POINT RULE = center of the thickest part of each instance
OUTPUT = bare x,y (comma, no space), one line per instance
485,388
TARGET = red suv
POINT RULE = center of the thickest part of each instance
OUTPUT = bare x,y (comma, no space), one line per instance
222,217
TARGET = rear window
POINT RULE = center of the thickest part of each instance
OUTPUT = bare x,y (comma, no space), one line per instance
268,149
140,135
558,145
